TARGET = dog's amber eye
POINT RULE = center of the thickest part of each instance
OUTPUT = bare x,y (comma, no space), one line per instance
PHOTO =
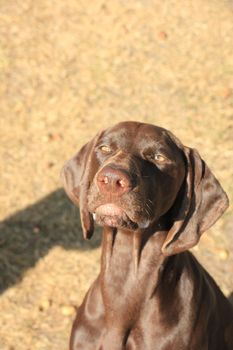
159,158
105,149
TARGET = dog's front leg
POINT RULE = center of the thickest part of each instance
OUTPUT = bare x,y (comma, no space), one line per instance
89,323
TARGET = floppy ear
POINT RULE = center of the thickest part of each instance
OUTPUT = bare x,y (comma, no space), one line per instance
77,175
200,204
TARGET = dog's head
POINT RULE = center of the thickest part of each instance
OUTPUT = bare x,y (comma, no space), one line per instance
132,175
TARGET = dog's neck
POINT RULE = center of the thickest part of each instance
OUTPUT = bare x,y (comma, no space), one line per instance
131,265
131,247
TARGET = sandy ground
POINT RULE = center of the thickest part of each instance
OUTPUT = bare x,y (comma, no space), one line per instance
68,69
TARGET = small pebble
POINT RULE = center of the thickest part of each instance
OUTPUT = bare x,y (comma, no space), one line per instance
68,310
50,164
45,305
54,137
36,229
225,92
162,35
223,254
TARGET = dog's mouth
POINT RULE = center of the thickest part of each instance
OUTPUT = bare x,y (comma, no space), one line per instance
111,215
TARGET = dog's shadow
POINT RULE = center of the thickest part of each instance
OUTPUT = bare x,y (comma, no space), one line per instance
29,234
230,298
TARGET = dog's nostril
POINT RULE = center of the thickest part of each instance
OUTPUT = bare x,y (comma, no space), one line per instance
105,180
121,183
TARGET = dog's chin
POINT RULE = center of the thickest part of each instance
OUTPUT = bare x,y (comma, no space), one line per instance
113,216
115,221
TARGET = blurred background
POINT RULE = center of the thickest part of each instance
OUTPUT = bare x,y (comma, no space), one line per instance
67,70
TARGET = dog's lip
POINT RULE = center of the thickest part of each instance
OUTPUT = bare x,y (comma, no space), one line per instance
109,209
112,215
112,211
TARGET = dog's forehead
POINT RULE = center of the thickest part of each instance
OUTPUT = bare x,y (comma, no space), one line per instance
135,133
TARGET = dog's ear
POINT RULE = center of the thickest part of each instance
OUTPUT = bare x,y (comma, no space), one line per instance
77,175
200,203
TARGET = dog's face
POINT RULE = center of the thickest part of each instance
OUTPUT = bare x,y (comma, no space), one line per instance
138,175
132,174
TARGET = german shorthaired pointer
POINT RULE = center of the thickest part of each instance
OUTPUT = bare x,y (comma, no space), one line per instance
154,198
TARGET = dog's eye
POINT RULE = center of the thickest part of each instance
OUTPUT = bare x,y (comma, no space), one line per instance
105,149
160,158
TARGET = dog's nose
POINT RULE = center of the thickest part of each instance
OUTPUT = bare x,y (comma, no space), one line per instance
114,181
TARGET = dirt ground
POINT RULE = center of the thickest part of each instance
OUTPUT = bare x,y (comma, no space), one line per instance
68,69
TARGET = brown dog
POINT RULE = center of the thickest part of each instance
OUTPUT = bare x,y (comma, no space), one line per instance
154,197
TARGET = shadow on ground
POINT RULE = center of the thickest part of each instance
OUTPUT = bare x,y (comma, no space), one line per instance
29,234
230,297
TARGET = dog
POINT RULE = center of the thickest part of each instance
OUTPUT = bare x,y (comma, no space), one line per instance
154,198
